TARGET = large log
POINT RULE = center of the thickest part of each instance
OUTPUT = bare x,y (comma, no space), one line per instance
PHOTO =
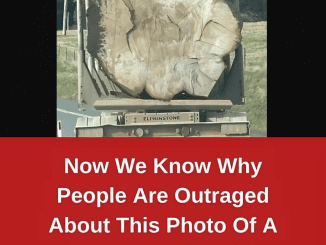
164,46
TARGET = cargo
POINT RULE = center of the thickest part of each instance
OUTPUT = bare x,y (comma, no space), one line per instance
161,68
163,47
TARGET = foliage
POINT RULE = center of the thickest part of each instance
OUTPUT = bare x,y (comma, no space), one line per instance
251,11
67,80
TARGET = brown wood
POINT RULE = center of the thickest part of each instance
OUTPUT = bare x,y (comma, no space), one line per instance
139,104
164,46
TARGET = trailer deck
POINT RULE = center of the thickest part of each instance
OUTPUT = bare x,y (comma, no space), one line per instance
140,104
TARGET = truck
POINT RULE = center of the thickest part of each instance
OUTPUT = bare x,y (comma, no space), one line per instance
184,116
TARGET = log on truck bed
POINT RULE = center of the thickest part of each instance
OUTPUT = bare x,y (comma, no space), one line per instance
164,46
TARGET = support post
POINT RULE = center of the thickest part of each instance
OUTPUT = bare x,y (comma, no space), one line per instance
68,22
90,64
81,52
86,7
241,53
90,59
97,65
65,9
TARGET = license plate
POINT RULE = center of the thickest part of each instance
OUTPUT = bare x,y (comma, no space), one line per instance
170,118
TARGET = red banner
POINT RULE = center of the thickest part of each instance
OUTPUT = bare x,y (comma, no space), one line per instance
178,191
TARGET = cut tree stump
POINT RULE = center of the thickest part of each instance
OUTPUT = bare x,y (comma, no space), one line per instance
163,46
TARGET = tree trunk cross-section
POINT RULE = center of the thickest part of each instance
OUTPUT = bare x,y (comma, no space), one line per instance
163,46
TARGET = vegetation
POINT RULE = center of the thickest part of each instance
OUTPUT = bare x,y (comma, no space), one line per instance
251,10
255,43
67,80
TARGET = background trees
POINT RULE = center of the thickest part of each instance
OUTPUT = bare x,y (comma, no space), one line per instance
251,11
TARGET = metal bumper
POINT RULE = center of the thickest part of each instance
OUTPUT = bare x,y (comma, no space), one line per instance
107,126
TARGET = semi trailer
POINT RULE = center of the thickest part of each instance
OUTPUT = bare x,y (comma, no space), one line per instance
123,115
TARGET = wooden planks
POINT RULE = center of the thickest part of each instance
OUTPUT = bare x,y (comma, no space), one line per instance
139,104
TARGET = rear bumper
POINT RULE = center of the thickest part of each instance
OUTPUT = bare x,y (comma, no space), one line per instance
107,127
